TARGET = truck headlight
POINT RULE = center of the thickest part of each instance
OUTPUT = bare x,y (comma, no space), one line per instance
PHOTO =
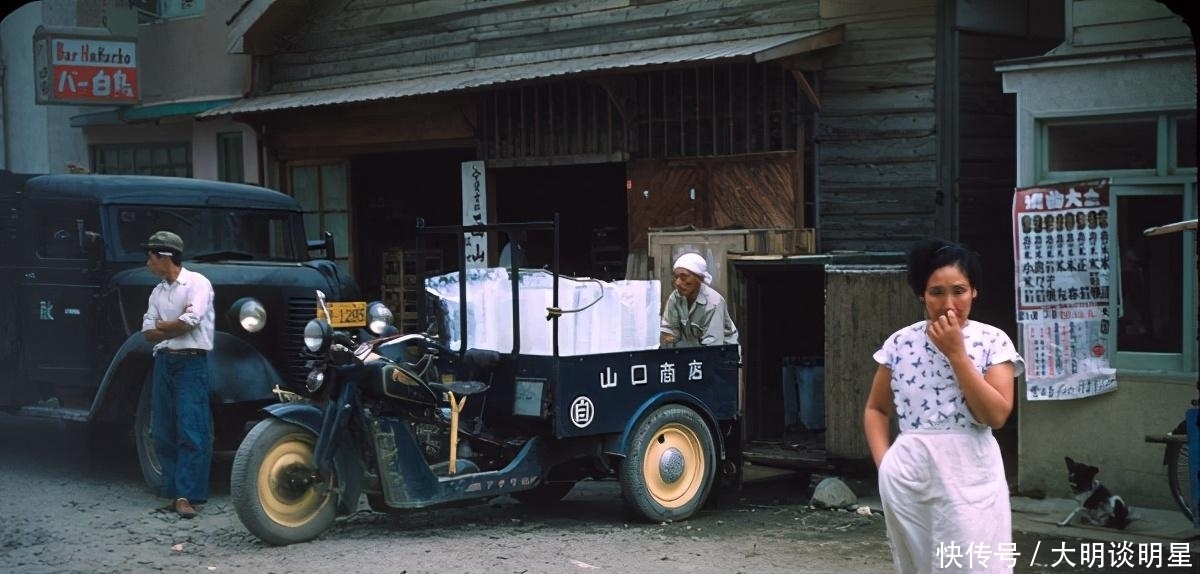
317,336
379,317
250,313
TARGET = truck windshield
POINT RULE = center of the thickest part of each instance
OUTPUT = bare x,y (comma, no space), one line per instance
211,233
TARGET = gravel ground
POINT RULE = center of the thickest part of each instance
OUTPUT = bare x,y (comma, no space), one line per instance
65,508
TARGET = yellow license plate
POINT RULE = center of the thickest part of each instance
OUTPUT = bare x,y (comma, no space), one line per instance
345,314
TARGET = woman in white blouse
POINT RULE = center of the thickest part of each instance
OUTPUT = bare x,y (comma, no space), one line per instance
949,381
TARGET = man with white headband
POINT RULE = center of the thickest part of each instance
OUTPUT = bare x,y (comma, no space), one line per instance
696,314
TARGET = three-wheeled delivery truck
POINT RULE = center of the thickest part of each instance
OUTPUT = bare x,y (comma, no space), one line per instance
417,420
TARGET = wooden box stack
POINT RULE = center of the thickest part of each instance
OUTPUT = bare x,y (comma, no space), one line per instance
404,272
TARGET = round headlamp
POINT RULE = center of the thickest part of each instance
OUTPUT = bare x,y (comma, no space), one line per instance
317,336
379,317
251,314
315,379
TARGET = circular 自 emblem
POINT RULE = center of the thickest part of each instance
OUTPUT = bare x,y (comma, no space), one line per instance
582,411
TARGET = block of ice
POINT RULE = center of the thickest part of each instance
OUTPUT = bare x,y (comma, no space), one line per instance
598,316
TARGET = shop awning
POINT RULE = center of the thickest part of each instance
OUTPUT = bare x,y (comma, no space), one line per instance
762,49
150,112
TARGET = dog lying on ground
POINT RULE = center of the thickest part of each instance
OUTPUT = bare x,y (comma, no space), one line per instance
1097,504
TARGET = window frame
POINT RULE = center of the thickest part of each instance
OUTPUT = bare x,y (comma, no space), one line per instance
151,11
97,166
231,167
1165,179
1185,360
344,258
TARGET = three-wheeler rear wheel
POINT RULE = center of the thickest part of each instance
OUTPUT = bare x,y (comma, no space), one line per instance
273,488
670,464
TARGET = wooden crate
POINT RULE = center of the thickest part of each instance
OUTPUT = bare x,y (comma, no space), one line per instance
394,299
393,266
404,272
713,245
800,241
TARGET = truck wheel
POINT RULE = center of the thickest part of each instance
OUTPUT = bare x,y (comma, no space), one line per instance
669,465
143,438
271,487
544,494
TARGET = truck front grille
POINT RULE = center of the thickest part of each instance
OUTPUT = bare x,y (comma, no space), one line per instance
300,311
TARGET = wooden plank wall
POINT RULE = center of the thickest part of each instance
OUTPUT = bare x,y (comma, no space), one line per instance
360,41
877,174
987,163
1096,23
748,191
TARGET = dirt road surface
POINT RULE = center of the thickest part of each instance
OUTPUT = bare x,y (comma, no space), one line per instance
66,509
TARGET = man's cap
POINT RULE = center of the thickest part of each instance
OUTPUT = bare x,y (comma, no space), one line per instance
164,240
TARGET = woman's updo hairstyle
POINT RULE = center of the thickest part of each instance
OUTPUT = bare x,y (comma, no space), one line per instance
930,254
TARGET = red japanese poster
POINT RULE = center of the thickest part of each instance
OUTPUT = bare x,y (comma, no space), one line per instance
1061,234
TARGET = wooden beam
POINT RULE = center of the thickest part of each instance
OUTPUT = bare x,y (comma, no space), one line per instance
807,89
815,41
1170,228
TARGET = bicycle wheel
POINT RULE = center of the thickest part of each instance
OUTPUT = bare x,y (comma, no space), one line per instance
1179,476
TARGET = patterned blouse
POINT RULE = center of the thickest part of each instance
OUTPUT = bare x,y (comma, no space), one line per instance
924,389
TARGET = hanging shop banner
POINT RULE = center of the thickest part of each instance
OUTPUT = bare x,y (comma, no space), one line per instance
1061,235
474,210
80,68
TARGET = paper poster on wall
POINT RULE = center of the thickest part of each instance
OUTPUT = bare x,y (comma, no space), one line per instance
1061,235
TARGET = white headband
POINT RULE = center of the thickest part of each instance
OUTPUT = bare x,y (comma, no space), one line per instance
695,263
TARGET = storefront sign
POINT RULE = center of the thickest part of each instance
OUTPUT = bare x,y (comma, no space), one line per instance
79,69
474,209
1061,237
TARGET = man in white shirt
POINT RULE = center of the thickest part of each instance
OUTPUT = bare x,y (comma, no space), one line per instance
179,321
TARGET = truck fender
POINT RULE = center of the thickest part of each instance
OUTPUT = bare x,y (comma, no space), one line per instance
617,444
237,373
300,414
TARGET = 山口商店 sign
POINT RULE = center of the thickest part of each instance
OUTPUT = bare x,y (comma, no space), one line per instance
75,67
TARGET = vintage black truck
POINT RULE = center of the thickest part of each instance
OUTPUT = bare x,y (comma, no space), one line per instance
75,286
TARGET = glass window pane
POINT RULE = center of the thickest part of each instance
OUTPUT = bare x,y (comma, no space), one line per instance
161,156
312,226
304,187
1151,285
126,162
229,157
339,225
1185,142
333,187
1111,145
141,156
179,154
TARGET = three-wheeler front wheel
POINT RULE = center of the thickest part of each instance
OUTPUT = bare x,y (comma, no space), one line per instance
669,466
274,488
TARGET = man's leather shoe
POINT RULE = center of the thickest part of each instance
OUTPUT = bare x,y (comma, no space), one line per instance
184,508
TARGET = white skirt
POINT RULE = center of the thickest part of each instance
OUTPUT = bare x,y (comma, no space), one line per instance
945,501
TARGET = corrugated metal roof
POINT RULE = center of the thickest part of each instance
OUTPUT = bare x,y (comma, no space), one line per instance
492,76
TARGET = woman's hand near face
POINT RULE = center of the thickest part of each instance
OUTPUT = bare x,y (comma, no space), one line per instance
946,334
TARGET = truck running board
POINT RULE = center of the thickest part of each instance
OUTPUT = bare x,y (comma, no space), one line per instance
77,415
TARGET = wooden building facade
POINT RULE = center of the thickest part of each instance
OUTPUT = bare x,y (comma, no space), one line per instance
874,122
